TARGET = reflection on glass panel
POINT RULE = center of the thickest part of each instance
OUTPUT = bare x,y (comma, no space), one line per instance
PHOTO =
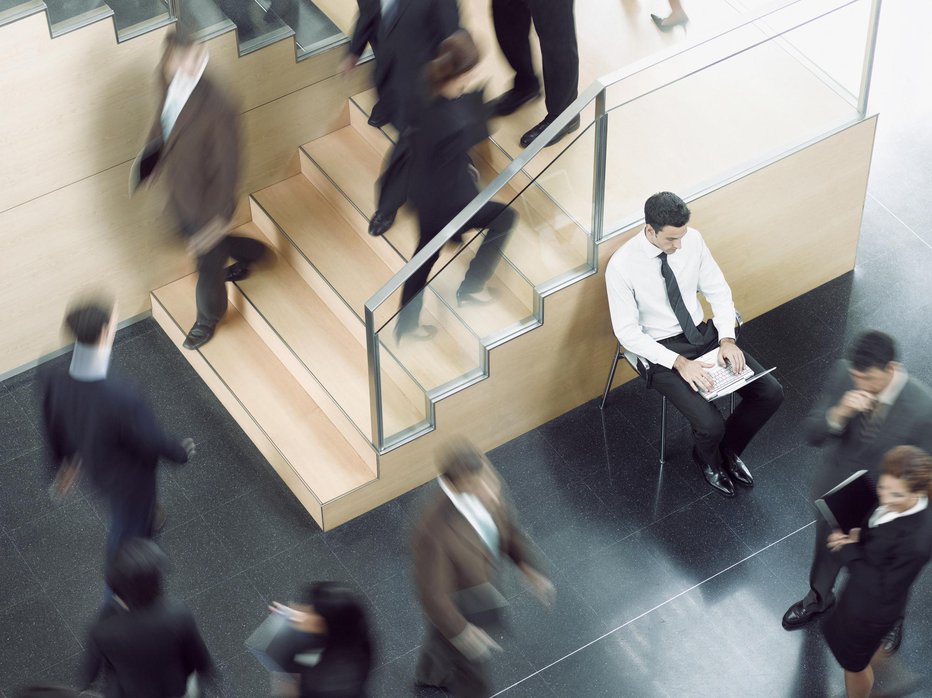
403,401
719,121
11,10
203,18
257,25
67,15
314,31
133,17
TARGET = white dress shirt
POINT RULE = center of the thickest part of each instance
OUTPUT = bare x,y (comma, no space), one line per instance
474,511
637,296
883,515
179,91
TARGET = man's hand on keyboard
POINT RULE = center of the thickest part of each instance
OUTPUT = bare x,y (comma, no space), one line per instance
694,373
729,353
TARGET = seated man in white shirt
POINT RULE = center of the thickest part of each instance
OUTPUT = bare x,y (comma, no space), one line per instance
652,282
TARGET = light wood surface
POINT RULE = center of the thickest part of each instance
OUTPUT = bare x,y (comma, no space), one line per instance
292,421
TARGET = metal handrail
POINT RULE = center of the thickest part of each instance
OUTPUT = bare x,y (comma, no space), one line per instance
595,92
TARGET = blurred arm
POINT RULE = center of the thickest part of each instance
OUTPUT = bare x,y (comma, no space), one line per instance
221,162
433,576
365,30
91,663
142,434
817,428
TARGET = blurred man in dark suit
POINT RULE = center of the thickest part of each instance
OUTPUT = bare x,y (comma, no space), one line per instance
555,25
103,428
366,32
868,406
409,34
194,144
458,544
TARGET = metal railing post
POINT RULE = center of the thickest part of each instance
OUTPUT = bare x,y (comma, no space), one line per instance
600,157
375,381
868,67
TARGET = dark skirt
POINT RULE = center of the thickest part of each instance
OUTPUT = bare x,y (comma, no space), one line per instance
854,637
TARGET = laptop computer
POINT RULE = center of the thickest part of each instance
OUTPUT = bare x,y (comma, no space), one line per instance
724,380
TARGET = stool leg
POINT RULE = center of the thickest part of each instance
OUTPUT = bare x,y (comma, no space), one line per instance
663,429
732,403
611,377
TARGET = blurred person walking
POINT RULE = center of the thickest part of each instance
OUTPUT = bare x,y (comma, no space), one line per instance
144,645
408,34
366,32
555,24
194,145
883,557
445,129
325,650
458,544
676,17
103,428
869,405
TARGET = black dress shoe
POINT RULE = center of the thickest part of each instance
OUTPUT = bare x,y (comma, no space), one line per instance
381,222
511,101
531,135
378,118
198,336
716,477
736,468
798,615
237,271
893,639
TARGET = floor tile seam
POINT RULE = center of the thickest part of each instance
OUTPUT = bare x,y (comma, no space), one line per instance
21,454
649,611
898,219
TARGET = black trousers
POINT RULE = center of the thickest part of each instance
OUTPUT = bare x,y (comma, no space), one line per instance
211,274
499,219
393,182
556,28
759,401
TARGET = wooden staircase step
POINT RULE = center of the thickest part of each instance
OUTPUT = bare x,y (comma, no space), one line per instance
281,306
300,441
344,155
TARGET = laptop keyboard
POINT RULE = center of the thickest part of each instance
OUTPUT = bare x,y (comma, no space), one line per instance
722,377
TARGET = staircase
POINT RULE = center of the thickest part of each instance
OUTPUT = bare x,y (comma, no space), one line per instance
290,361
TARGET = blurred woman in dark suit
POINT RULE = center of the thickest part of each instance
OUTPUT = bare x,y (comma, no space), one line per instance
883,557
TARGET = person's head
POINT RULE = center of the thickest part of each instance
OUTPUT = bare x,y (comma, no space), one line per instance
906,475
334,610
135,573
182,53
466,470
456,56
873,361
92,322
665,217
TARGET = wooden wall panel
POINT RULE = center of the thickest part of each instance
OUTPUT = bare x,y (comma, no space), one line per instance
760,229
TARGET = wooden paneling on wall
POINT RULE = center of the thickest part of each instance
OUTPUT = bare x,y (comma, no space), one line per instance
76,111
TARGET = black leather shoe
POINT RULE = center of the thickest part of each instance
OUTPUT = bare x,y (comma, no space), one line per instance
381,222
237,271
198,336
736,469
893,639
378,118
531,135
511,101
717,477
798,615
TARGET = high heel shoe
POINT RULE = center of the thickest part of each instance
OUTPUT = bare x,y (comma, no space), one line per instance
419,333
665,26
473,297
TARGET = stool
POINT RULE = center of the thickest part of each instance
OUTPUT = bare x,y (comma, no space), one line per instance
633,360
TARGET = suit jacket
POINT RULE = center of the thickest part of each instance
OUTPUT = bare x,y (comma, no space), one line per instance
111,427
407,43
884,564
907,423
366,30
146,653
440,184
449,557
200,162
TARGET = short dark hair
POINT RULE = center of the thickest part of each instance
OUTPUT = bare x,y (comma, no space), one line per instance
460,460
665,208
872,350
135,572
911,465
456,55
87,321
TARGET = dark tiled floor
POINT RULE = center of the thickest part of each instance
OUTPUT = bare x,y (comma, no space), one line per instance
665,589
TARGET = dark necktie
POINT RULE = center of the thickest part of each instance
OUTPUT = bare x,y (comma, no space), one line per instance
869,423
676,302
